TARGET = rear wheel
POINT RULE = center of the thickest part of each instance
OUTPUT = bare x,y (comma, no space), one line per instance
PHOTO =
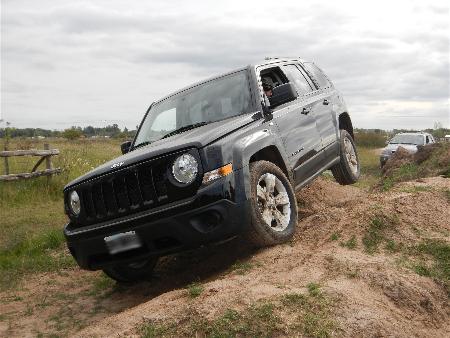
132,272
273,205
347,171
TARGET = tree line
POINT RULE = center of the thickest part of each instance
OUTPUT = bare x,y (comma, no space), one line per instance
74,132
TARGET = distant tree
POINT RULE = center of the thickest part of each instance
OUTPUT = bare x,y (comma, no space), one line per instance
437,125
72,133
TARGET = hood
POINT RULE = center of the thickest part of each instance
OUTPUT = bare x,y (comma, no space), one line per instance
194,138
390,148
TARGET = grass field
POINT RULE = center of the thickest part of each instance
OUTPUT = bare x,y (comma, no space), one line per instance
31,238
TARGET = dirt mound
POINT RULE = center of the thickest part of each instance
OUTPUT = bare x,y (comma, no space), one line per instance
429,160
400,157
360,265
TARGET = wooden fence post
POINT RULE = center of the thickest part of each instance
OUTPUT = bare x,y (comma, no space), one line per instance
6,162
48,160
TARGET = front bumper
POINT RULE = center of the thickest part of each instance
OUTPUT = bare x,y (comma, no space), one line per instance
214,214
384,159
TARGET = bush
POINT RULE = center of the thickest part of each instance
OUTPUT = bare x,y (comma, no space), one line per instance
72,134
370,139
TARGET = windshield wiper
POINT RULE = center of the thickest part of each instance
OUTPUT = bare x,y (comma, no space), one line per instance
184,128
142,144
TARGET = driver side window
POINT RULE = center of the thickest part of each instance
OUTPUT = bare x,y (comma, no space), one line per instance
273,76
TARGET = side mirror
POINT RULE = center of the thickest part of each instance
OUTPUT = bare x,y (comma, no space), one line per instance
282,94
266,106
125,147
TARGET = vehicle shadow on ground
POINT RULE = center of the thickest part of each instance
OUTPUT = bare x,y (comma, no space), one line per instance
179,270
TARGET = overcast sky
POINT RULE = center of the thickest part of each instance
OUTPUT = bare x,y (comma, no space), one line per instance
98,62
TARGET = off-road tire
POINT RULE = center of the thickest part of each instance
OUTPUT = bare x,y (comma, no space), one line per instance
131,272
259,233
342,171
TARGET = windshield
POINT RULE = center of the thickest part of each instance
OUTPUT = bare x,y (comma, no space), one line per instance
407,139
209,102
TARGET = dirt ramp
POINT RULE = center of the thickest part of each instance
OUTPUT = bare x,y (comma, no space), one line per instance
360,264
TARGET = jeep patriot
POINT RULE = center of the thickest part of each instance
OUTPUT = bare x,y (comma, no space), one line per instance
212,161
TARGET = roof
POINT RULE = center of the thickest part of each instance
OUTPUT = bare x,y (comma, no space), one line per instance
266,61
275,59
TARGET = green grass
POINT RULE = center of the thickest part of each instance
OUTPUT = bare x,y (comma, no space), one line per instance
309,315
416,189
154,330
439,251
37,254
429,258
350,244
370,167
375,234
388,183
32,216
194,289
241,268
102,284
313,313
392,246
335,236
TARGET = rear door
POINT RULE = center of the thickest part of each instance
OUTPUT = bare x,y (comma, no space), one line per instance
297,126
323,106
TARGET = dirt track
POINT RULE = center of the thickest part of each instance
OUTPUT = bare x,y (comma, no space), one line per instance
376,293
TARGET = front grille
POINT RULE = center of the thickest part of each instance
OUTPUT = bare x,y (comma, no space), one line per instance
129,190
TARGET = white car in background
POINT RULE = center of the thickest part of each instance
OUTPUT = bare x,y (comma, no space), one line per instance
409,141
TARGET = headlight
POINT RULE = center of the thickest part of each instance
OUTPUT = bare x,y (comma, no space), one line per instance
217,173
185,169
74,203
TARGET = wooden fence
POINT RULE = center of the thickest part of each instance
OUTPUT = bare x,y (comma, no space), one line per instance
45,155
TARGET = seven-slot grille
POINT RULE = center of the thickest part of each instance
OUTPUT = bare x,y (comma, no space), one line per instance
129,190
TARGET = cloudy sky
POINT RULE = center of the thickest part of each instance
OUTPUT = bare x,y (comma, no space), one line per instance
98,62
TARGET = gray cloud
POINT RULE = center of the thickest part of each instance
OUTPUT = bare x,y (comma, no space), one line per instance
69,63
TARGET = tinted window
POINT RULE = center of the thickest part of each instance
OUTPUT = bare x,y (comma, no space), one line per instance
317,74
296,76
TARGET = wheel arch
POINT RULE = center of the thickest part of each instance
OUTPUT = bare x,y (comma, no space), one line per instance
345,123
272,154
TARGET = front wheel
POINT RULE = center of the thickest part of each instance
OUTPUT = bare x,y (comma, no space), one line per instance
347,171
273,205
131,272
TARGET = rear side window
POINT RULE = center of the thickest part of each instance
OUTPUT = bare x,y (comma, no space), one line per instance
297,78
318,75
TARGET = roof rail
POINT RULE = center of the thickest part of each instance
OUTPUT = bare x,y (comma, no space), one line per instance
281,57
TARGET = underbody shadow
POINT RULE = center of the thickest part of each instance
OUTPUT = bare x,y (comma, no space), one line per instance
179,270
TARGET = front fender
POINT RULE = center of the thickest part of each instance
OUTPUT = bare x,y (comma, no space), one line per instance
249,145
238,149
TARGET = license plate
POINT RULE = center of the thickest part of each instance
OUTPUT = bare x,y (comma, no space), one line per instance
122,242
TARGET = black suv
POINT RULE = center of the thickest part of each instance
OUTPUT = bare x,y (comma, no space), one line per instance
219,158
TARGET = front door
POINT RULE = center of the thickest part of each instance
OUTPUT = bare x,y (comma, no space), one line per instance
297,125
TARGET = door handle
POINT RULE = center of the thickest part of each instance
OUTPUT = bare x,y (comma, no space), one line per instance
305,111
326,102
